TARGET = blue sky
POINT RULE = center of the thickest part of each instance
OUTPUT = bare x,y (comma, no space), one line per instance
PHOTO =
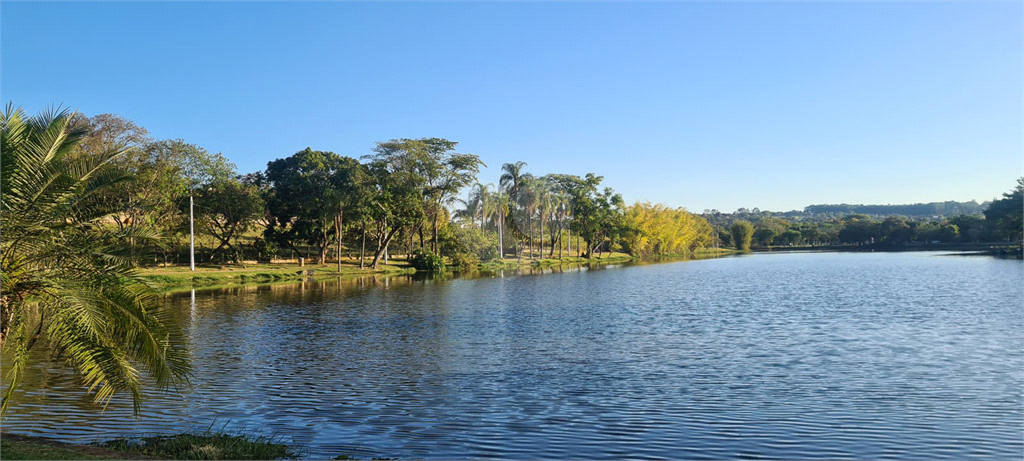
704,105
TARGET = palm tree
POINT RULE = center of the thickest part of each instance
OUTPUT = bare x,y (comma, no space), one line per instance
66,273
500,208
560,202
528,195
544,204
511,182
480,197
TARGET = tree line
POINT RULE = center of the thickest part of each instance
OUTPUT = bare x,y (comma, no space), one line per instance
924,210
1000,221
404,196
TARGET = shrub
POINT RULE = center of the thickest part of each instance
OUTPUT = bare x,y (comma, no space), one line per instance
465,260
426,260
456,239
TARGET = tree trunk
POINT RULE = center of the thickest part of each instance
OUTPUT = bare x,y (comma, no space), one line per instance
437,217
338,227
362,250
568,241
382,247
323,246
559,239
540,237
529,226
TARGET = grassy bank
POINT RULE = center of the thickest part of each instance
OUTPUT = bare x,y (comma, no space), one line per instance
177,278
180,278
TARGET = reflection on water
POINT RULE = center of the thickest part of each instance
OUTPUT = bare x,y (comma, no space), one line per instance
791,356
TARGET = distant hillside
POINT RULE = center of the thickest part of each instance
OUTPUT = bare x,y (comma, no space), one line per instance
921,210
823,213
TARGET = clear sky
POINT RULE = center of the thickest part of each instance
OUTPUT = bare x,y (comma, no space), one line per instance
704,105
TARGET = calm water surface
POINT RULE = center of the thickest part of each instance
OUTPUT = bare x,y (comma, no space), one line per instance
802,355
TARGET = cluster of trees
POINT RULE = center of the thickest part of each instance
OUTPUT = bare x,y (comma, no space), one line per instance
999,222
403,196
568,214
924,210
821,213
399,192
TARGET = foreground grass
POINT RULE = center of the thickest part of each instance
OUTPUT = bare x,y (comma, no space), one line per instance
205,445
25,447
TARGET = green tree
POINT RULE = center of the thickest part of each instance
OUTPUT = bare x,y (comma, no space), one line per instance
511,182
777,225
398,198
442,172
66,276
1006,215
110,132
790,237
742,233
164,173
446,173
309,193
895,230
972,227
764,236
724,236
597,216
859,229
225,209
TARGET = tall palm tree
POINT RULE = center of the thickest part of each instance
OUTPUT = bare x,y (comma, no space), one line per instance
511,182
500,201
528,195
544,204
481,197
66,273
560,204
510,178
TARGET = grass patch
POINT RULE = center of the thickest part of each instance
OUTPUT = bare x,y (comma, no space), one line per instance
178,278
16,449
19,446
206,445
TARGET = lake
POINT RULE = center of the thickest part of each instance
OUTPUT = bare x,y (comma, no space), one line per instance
788,355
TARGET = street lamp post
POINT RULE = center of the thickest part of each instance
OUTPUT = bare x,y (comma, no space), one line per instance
191,236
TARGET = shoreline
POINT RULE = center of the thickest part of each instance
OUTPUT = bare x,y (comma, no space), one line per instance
174,279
